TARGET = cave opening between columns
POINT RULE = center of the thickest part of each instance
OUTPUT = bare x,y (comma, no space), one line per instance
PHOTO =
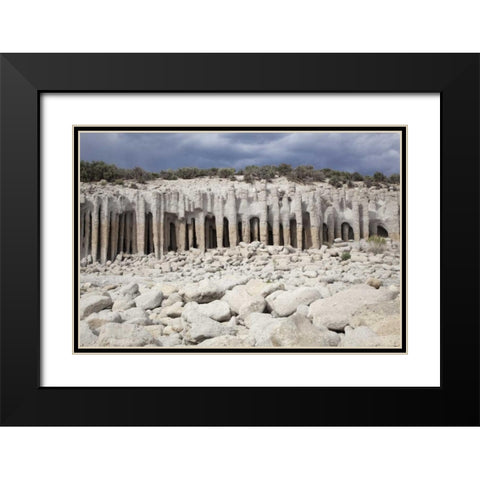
210,232
171,232
280,231
382,231
325,233
254,229
226,238
347,232
293,233
239,232
193,240
376,229
270,234
306,231
149,233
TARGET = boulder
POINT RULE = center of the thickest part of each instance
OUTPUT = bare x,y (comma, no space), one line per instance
85,336
149,300
124,335
204,327
123,303
94,303
257,287
295,331
172,299
130,290
155,330
336,312
173,340
236,297
98,319
287,302
364,337
217,310
203,292
174,310
254,304
136,316
251,318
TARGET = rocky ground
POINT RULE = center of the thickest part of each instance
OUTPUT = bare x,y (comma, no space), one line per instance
252,295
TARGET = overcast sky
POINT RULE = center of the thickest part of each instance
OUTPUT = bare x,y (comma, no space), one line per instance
365,153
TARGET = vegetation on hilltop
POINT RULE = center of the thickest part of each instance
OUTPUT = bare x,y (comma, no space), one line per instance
97,171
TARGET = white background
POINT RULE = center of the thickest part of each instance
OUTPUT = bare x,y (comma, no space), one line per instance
421,367
210,26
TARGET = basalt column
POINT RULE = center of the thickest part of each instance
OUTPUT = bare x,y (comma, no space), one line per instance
315,221
140,224
336,215
87,231
285,217
104,230
365,218
113,235
330,225
181,240
156,217
218,213
299,217
275,217
263,224
121,233
200,230
128,232
231,214
95,226
356,220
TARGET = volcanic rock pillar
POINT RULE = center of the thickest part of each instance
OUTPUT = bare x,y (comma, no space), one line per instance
95,214
275,217
87,232
336,215
314,222
121,233
200,230
299,217
356,220
365,218
231,213
157,244
114,235
104,230
263,224
140,224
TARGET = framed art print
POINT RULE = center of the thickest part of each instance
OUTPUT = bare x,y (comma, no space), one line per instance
239,239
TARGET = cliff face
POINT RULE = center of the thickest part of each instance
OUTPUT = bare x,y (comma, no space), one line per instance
208,213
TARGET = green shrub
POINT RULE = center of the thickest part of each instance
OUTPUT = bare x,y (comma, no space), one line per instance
226,172
103,182
379,177
346,256
304,174
394,178
119,181
376,244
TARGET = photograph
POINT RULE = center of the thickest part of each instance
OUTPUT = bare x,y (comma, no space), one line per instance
239,239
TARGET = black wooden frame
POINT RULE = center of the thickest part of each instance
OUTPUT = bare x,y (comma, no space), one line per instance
23,77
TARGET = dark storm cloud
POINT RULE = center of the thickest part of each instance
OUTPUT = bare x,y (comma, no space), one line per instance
362,152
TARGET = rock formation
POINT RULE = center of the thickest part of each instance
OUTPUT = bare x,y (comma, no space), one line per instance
165,216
